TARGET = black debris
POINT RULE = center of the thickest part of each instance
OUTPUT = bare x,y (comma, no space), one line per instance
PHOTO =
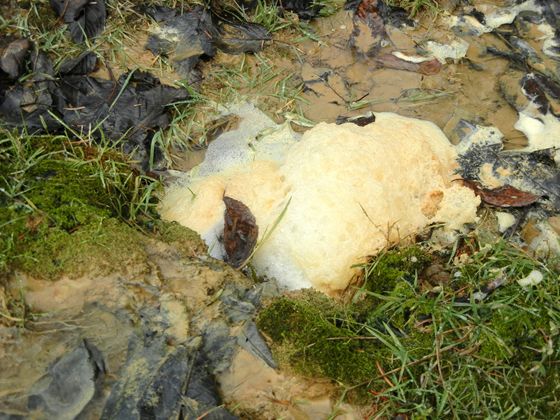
305,9
163,381
251,340
547,84
196,35
129,110
219,346
236,305
478,15
369,22
161,398
158,13
551,12
524,49
29,104
517,59
223,337
391,15
85,18
185,39
182,388
202,397
534,91
84,64
238,38
534,172
132,108
229,11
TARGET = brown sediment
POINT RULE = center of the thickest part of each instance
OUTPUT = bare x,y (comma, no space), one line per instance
467,89
266,393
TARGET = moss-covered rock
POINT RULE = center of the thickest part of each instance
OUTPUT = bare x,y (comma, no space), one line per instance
97,248
64,212
308,340
183,239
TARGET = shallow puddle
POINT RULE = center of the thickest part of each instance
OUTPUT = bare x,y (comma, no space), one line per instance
339,80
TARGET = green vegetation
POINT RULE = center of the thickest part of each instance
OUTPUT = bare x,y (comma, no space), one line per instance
393,266
74,208
71,206
311,342
415,7
60,198
437,352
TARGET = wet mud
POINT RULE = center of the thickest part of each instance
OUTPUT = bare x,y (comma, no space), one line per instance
170,312
165,323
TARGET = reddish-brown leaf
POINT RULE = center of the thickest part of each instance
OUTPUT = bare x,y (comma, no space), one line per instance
506,196
367,7
430,67
240,232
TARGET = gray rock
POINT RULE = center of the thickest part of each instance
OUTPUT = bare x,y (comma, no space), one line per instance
69,385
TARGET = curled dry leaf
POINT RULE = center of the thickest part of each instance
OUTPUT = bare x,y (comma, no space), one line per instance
240,232
505,196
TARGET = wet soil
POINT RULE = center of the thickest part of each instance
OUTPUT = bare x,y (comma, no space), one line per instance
185,290
182,295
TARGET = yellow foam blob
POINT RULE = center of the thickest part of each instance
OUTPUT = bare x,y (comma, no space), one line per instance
351,191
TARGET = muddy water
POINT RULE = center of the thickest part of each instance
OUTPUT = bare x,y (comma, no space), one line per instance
341,81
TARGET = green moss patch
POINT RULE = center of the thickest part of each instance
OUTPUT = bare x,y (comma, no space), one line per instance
311,343
66,209
393,266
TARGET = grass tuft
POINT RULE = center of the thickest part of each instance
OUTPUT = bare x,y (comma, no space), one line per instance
415,7
438,352
53,189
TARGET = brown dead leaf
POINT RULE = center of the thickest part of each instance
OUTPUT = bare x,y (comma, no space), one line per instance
34,221
240,232
505,196
430,67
